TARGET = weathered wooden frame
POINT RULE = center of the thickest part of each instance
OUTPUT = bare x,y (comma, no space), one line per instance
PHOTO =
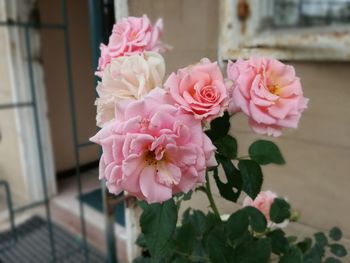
241,38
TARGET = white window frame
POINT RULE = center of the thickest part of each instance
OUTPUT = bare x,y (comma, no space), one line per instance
243,39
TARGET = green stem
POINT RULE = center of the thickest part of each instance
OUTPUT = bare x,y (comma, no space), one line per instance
242,158
210,196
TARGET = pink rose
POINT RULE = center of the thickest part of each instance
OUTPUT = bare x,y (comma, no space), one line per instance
268,92
104,60
153,149
131,35
263,203
199,89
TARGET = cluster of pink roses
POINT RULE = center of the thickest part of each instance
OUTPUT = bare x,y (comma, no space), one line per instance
152,133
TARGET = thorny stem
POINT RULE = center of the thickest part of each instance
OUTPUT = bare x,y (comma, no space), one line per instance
210,196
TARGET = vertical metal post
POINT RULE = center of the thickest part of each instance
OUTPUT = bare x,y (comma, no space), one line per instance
97,36
10,208
38,137
74,123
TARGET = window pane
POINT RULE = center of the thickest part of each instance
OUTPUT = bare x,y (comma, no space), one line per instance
307,13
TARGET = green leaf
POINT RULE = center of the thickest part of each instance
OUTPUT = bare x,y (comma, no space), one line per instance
256,219
265,152
321,239
188,195
141,241
219,127
256,251
332,260
158,222
279,243
181,260
338,250
197,218
218,248
142,260
186,238
227,146
293,255
231,190
210,221
292,239
200,225
305,245
315,254
252,177
335,234
237,224
280,210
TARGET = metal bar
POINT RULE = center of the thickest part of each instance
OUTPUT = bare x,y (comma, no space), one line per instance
10,208
73,122
108,210
38,137
15,105
95,14
29,206
31,25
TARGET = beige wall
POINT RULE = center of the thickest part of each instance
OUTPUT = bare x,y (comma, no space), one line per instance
316,177
9,143
56,81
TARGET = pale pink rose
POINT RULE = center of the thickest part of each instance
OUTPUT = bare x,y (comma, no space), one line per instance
153,150
129,36
128,77
104,60
268,92
199,89
263,203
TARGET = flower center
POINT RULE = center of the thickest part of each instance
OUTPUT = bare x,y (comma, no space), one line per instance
150,158
274,89
208,93
133,35
155,156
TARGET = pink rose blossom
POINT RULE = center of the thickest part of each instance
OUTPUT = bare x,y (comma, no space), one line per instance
268,92
153,150
129,36
263,203
199,89
104,60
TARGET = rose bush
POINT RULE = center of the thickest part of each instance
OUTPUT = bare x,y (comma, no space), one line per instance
161,145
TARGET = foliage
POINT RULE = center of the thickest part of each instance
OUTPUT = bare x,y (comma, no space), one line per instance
246,236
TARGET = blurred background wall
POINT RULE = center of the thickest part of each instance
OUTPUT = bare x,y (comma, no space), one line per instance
54,64
316,176
10,155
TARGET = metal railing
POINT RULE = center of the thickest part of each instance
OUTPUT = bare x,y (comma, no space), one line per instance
97,36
